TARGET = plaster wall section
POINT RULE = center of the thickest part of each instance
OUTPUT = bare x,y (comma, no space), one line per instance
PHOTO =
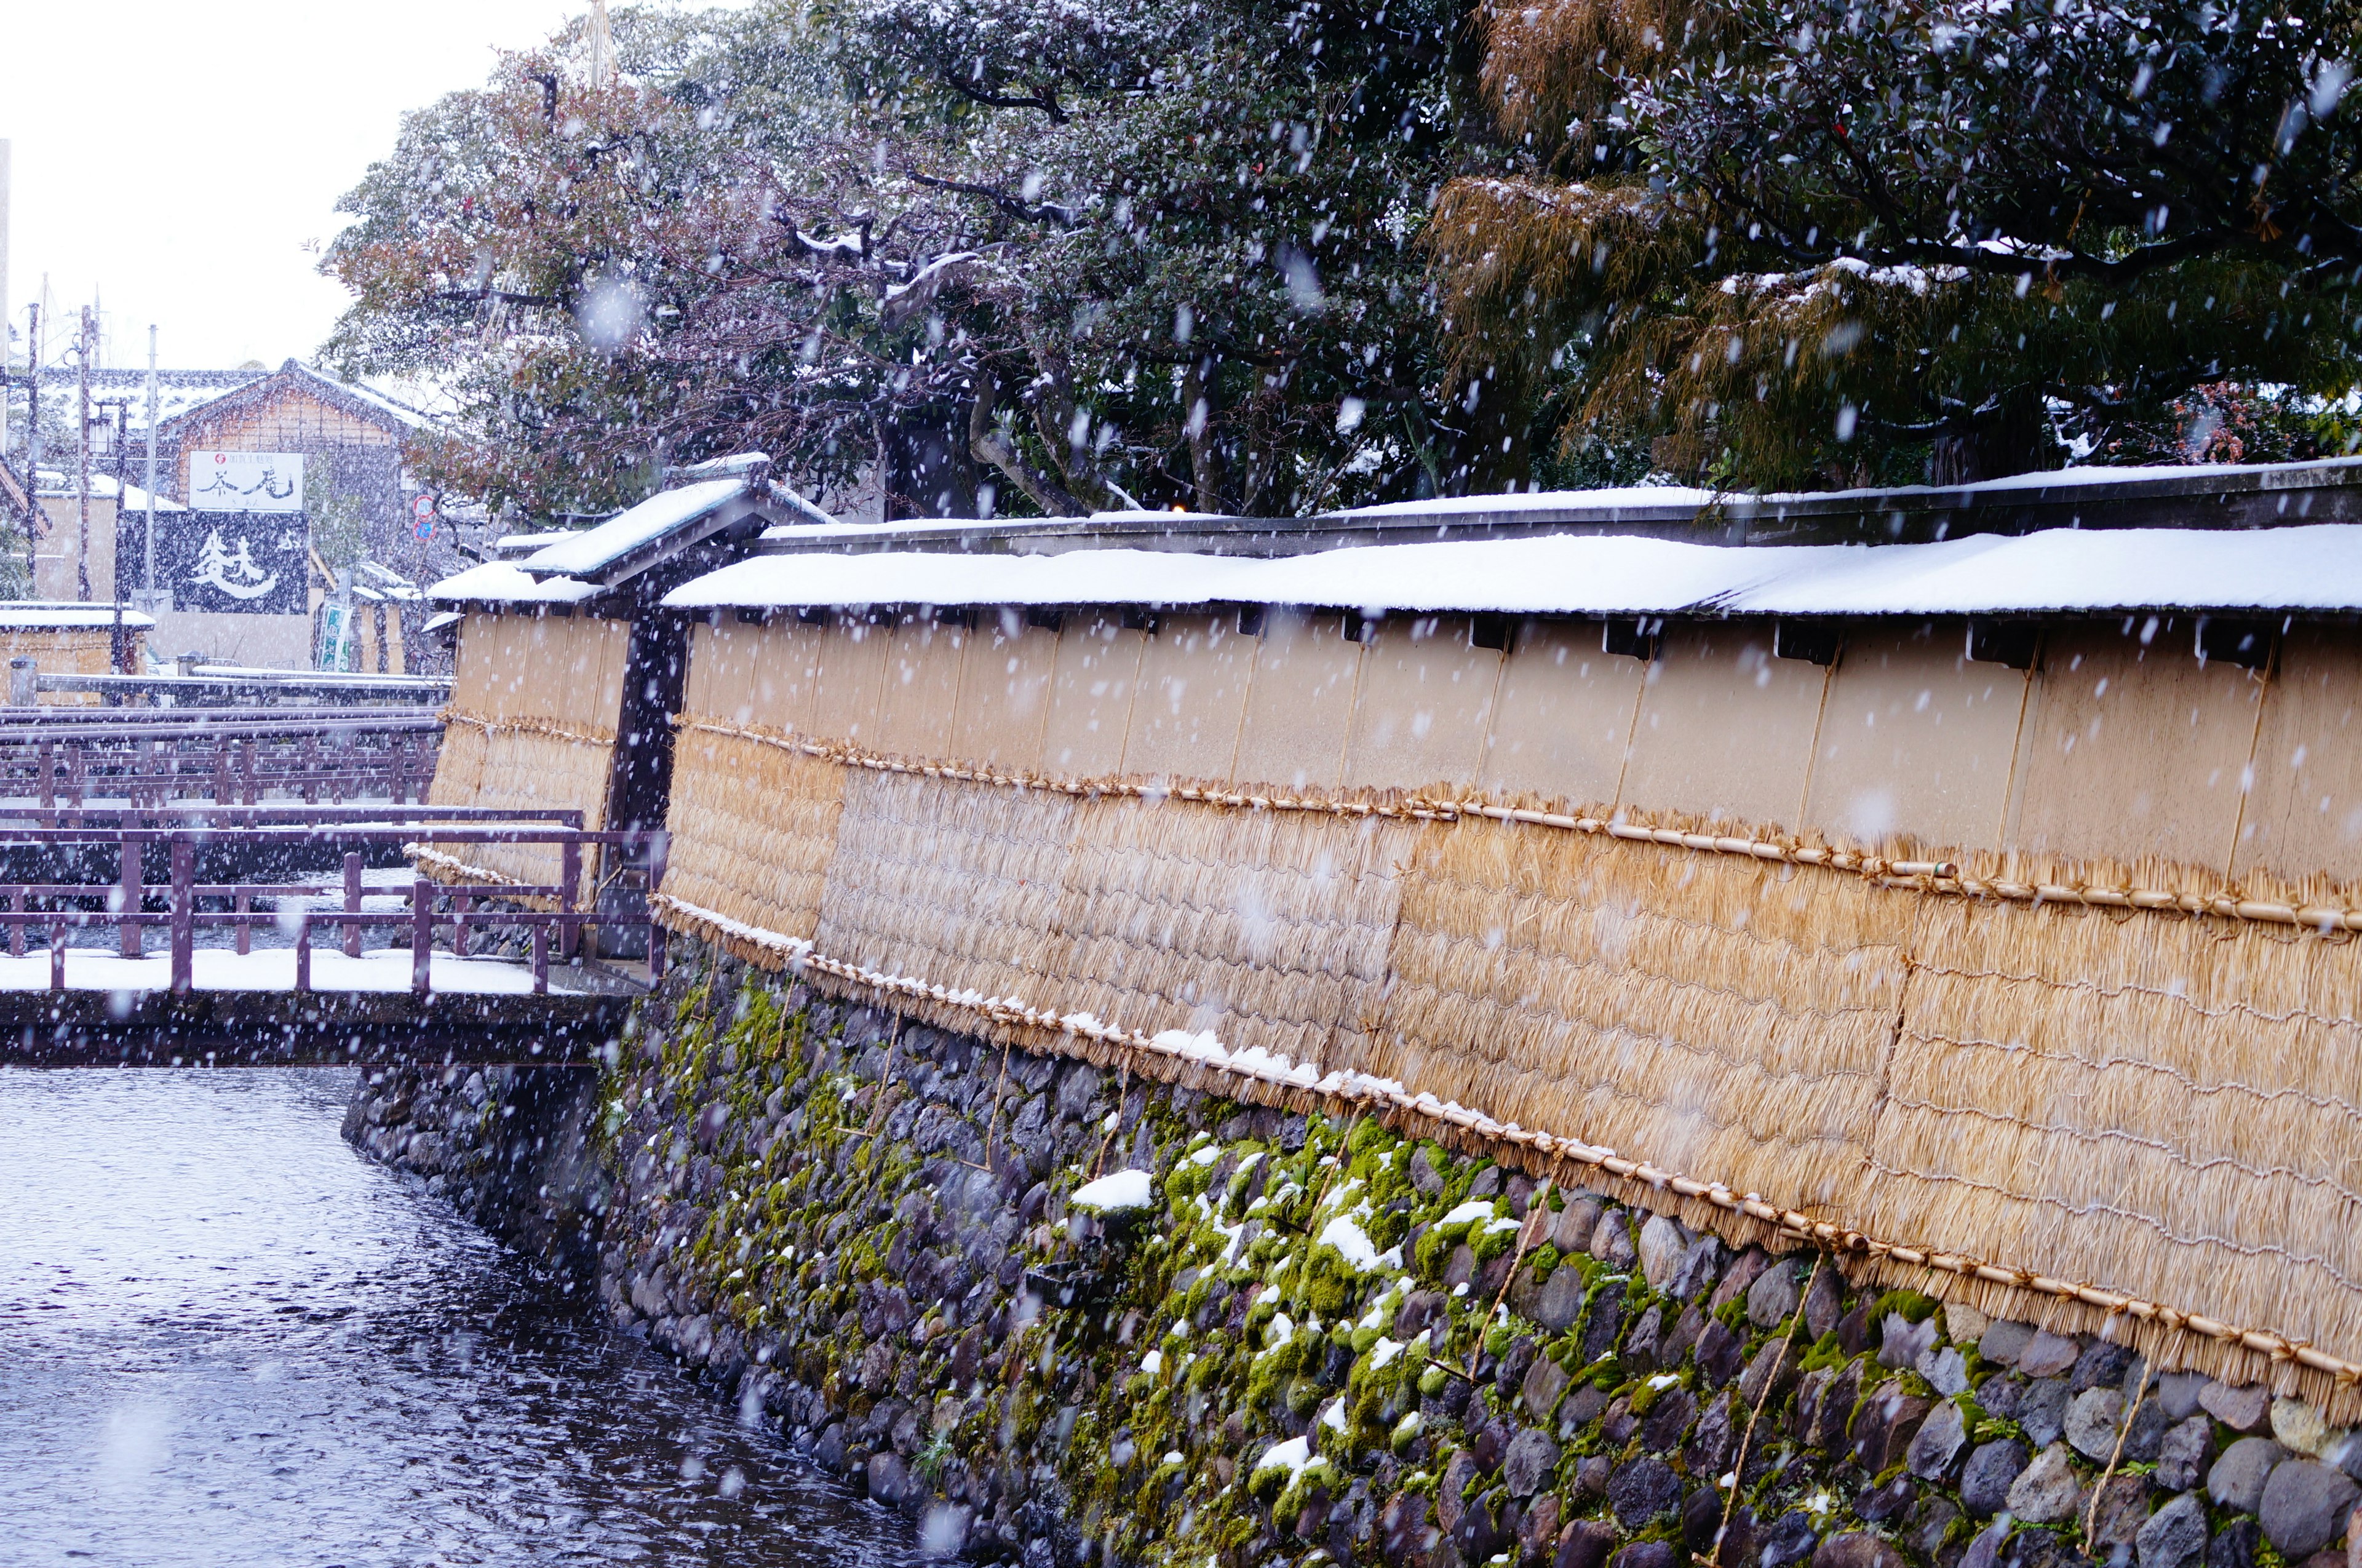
1915,739
1726,730
1300,711
1005,693
2304,815
2133,749
1090,695
1194,673
1563,718
852,671
920,693
1425,704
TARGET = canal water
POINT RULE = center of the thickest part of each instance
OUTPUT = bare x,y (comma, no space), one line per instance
224,1338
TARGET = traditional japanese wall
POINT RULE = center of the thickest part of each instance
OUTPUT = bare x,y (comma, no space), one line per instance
68,651
1956,966
531,723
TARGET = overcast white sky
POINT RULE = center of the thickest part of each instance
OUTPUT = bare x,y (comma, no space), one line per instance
174,159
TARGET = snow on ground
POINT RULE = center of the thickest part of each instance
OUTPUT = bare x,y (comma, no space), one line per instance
268,969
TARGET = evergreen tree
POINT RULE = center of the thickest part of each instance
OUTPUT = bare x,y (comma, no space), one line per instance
1834,240
1163,254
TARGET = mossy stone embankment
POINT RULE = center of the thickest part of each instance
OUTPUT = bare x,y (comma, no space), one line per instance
1317,1341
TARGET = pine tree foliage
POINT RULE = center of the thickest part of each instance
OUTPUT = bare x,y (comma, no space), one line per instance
1825,238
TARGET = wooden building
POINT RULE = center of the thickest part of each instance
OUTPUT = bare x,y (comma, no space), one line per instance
1983,905
351,437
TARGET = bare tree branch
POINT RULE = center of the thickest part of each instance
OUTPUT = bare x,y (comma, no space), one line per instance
1045,100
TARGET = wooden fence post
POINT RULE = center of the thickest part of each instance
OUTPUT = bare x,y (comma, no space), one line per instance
129,893
422,934
303,951
58,955
184,915
352,905
659,853
569,887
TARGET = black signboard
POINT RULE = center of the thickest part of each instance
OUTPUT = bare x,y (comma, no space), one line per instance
245,563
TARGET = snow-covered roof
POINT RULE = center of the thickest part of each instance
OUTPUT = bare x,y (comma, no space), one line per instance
177,391
668,512
672,520
516,547
105,487
2314,567
505,582
355,397
47,615
1681,497
2178,496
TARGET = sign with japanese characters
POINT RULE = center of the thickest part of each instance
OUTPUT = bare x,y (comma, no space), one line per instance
246,481
244,563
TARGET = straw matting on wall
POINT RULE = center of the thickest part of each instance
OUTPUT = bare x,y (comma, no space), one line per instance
70,651
753,827
534,702
2155,1103
524,766
2167,1104
1723,1016
1262,929
964,881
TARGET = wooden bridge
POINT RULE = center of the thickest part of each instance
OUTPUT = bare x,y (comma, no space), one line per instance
234,885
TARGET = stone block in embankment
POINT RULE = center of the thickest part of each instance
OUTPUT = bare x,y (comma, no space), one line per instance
1290,1340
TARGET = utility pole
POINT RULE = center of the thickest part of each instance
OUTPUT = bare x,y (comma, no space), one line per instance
81,459
148,578
33,450
3,295
602,47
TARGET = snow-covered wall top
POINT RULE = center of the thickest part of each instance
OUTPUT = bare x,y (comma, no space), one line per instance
45,615
2316,568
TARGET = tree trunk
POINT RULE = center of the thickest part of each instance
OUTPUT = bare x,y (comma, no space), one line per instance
1198,422
990,446
2013,439
1068,442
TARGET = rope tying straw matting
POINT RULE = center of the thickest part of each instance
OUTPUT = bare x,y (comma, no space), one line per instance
1926,876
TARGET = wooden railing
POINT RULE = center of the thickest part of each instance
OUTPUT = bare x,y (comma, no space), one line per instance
58,763
465,911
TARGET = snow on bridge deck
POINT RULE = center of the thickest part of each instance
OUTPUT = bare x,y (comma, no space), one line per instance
273,970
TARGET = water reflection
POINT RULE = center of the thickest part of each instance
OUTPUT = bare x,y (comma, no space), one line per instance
225,1339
